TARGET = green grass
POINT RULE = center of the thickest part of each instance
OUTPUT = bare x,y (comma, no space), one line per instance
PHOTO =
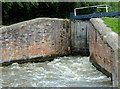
112,23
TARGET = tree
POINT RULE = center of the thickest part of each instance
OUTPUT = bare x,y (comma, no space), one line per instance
14,12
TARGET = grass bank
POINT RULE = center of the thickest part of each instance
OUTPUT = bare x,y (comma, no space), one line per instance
112,23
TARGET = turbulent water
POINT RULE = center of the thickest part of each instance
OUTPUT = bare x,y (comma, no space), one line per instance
69,71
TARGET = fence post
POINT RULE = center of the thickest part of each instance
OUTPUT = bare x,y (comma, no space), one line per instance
72,16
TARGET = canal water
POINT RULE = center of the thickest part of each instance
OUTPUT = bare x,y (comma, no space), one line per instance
72,71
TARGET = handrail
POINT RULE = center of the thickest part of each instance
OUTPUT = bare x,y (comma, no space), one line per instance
97,6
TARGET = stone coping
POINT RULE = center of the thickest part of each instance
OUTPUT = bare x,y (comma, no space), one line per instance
109,36
24,23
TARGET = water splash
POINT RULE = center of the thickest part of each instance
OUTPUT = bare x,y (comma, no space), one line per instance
72,71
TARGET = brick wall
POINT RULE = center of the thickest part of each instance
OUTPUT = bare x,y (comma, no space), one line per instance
100,51
34,38
104,49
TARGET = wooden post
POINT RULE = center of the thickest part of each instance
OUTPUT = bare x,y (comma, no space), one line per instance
72,16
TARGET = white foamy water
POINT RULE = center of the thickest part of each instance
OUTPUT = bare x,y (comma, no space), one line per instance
72,71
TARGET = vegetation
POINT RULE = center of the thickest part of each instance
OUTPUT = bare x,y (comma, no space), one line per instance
112,23
14,12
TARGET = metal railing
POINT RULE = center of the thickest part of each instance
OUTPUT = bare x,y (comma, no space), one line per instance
96,6
74,16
